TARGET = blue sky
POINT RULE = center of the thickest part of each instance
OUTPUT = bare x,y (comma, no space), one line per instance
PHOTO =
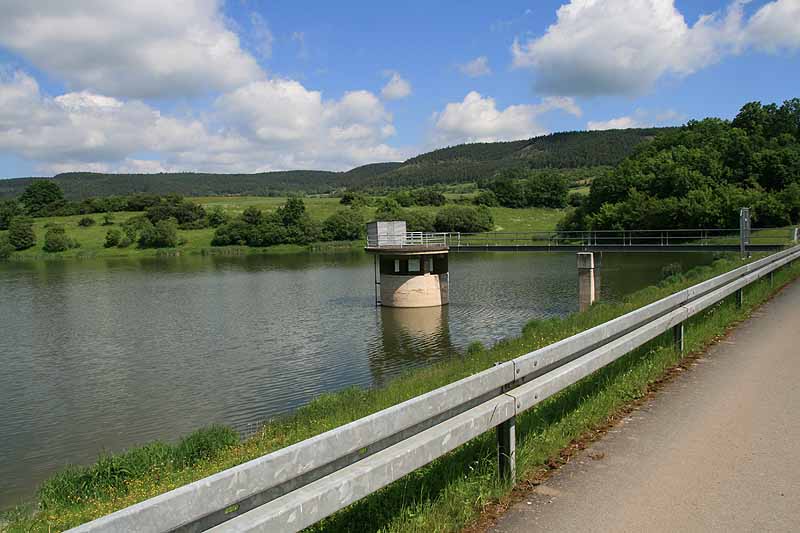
247,85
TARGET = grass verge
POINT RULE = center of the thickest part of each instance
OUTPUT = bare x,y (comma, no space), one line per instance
450,492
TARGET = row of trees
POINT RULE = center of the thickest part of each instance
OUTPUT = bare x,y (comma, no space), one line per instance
699,176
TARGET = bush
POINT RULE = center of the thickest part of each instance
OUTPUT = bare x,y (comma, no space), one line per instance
134,225
428,196
113,238
57,240
20,233
508,188
388,209
85,222
463,218
8,210
487,198
268,233
162,234
237,232
217,217
5,248
252,216
108,219
576,199
125,241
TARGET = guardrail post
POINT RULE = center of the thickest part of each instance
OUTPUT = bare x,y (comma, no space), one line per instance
740,298
677,335
744,231
507,450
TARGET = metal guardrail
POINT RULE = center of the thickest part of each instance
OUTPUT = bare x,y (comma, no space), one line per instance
292,488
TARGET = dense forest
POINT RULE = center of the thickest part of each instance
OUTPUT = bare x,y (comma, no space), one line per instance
457,164
698,176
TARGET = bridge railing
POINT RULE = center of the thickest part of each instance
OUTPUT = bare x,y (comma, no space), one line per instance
295,487
625,238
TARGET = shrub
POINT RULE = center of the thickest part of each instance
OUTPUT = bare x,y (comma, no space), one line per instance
85,222
108,219
57,240
125,241
252,216
576,199
113,238
217,217
508,188
388,209
134,225
487,198
162,234
428,196
464,218
5,248
8,210
268,233
20,233
236,232
344,225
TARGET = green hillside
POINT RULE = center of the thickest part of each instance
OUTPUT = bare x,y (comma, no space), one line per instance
456,164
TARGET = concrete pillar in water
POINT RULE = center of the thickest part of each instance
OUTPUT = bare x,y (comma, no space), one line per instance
598,274
412,268
586,288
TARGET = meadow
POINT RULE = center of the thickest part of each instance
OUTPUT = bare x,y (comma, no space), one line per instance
197,241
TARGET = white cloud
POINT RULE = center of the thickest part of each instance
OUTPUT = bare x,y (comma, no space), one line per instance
641,118
142,48
262,35
624,46
396,88
265,125
477,119
476,68
775,26
619,123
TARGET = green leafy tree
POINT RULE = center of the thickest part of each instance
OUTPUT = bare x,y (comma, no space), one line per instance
547,190
39,195
388,209
20,233
509,189
293,211
487,198
252,216
217,217
344,225
236,233
8,210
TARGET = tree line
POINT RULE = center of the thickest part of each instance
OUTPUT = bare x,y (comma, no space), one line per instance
698,176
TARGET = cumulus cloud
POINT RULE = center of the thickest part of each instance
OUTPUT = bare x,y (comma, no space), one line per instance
775,26
624,46
265,125
396,88
640,119
477,119
141,49
476,68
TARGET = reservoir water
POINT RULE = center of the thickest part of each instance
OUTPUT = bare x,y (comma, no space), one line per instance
100,355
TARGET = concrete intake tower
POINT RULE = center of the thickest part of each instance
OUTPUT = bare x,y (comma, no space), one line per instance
411,269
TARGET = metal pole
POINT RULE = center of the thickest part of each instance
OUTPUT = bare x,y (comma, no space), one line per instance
507,450
740,298
677,335
377,282
744,231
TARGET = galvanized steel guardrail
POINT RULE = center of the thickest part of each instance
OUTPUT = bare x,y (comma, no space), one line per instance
297,486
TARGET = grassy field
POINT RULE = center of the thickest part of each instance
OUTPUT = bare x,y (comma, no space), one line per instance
91,238
450,492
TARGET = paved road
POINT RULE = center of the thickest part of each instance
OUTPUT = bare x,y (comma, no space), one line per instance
718,449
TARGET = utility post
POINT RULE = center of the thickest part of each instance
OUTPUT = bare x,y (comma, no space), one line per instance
744,232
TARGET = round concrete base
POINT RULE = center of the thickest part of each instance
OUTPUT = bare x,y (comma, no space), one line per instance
426,290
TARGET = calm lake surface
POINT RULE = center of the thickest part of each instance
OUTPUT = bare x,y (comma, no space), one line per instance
105,354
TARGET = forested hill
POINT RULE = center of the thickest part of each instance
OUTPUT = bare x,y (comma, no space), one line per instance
457,164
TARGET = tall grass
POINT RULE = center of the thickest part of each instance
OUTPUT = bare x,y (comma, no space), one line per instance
451,491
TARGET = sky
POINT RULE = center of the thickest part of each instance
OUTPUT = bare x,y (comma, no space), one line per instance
252,86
